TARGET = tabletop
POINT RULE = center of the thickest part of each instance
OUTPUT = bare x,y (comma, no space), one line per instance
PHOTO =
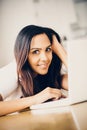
72,117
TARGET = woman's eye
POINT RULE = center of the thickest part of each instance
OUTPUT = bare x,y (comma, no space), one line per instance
36,52
48,49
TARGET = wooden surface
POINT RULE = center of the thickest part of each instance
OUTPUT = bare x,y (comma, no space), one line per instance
62,118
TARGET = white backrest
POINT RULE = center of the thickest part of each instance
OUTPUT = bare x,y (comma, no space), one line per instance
8,79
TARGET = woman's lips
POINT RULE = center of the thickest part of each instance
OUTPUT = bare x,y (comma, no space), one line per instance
43,66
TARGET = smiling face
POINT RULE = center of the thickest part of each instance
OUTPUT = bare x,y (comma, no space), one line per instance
40,54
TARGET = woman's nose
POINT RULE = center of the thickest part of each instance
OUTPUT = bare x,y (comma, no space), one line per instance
43,56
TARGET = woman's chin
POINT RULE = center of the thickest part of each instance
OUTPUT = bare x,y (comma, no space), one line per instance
43,72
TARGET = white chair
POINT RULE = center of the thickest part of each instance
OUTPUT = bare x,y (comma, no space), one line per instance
8,79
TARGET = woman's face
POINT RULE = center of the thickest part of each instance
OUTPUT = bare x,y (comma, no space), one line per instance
40,55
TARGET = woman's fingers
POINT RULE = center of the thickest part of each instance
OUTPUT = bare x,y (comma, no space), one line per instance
48,93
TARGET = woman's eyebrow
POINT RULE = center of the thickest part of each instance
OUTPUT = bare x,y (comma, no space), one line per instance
37,48
49,46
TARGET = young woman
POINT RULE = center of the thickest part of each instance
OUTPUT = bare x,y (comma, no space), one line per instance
39,56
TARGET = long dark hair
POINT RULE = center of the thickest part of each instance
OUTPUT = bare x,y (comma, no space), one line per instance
29,84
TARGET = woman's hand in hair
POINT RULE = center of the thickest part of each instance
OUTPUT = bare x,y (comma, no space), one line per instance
47,94
59,51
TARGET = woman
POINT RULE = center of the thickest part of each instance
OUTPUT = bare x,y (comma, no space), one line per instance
39,56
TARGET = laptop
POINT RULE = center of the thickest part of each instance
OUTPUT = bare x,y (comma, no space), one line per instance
77,76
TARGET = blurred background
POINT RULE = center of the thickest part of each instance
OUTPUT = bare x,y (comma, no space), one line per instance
67,17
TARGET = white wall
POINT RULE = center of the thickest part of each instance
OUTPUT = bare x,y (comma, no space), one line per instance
81,12
15,14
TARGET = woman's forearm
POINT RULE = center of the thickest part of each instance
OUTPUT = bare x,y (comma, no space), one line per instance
7,107
62,54
65,81
60,51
